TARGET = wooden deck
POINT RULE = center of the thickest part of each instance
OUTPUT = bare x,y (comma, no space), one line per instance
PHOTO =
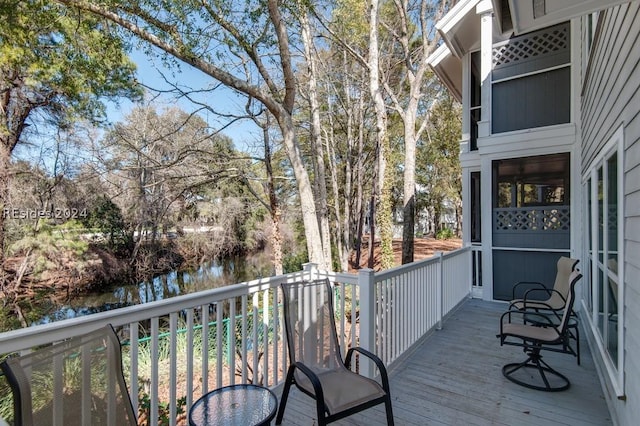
454,378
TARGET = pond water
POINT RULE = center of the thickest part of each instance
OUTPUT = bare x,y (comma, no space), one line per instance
210,275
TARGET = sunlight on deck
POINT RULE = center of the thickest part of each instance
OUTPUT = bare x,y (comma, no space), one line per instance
454,378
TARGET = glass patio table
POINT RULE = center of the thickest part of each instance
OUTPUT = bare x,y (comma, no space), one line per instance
240,405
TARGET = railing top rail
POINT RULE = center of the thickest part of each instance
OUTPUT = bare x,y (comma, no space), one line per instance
390,273
25,338
532,208
20,339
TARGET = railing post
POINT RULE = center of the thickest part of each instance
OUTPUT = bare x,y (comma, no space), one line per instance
311,269
439,289
366,284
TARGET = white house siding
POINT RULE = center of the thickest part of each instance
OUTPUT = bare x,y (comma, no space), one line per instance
611,98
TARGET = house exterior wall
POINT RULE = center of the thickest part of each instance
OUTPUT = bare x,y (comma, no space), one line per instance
520,124
611,101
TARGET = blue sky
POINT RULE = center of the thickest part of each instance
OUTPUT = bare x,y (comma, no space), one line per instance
150,73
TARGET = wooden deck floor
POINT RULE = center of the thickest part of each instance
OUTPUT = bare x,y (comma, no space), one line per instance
454,378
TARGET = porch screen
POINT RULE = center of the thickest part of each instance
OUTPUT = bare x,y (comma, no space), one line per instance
531,220
531,80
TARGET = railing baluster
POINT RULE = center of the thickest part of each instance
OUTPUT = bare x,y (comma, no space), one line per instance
231,342
396,307
204,320
173,381
133,362
219,342
265,336
243,343
153,391
274,347
189,361
255,347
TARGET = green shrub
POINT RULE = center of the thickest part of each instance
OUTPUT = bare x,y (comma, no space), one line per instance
444,234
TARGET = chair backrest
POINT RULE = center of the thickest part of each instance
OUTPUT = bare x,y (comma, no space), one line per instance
310,325
572,280
565,267
78,381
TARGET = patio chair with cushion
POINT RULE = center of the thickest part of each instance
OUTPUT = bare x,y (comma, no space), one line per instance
538,298
535,295
316,365
536,332
78,381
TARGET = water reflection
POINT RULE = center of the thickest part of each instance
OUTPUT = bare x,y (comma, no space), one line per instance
208,276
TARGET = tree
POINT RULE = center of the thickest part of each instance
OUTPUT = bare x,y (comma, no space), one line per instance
320,182
441,175
153,160
106,218
55,65
383,182
246,47
407,87
350,126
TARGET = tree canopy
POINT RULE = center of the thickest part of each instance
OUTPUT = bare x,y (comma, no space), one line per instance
55,64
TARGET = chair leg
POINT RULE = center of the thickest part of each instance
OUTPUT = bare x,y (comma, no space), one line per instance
578,343
285,394
387,406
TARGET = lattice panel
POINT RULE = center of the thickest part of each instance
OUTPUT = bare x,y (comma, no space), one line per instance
532,219
537,44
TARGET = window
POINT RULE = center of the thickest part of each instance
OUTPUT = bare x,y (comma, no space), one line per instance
475,106
532,181
589,31
475,208
604,218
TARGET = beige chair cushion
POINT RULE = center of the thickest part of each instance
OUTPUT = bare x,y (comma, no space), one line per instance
343,389
542,334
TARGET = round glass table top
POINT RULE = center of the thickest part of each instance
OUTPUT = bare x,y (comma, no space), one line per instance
241,405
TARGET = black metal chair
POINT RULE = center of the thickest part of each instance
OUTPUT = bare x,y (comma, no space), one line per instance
316,365
78,381
536,332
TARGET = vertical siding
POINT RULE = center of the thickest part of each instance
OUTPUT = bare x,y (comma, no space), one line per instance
611,97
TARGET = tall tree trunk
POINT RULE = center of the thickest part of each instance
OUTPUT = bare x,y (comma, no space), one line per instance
414,66
5,162
307,202
372,231
341,215
360,204
320,182
409,192
274,207
384,209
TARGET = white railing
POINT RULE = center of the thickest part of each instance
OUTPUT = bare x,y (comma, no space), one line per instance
177,349
413,299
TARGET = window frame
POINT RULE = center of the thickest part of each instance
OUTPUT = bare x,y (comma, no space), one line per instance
592,249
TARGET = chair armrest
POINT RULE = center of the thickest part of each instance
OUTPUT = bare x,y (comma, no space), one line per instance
524,283
381,367
548,291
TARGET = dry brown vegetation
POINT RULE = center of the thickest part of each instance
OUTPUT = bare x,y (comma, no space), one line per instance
423,248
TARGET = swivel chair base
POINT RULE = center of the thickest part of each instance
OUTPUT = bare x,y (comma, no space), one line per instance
526,374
